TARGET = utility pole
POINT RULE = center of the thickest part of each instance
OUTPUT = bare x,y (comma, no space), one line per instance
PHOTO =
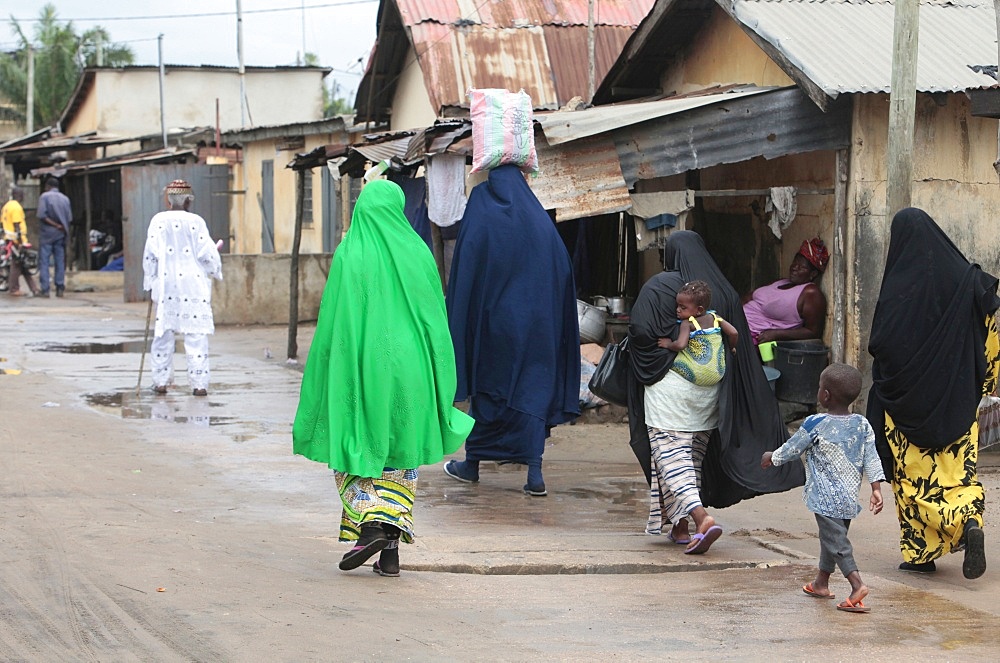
163,116
996,12
902,106
303,31
31,89
243,70
591,57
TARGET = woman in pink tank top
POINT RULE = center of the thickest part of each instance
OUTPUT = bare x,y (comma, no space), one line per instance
794,308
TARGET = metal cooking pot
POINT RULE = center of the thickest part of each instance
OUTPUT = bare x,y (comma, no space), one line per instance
592,322
600,301
619,305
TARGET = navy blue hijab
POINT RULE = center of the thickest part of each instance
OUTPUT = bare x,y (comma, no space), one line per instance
512,303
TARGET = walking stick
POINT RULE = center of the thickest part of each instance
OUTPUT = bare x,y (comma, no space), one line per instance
145,341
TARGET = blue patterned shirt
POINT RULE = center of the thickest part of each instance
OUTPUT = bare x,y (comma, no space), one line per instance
837,451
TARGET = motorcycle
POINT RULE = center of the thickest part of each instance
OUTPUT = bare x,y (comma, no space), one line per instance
10,251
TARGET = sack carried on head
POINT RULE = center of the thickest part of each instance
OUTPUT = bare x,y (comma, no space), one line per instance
502,130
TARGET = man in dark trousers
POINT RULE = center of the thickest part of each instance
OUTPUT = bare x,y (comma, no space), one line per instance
55,215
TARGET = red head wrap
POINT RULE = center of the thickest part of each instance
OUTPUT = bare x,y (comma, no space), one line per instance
814,250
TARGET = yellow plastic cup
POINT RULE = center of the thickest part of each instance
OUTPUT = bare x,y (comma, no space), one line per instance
767,351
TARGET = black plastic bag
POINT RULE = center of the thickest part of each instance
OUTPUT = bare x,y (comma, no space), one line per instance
610,380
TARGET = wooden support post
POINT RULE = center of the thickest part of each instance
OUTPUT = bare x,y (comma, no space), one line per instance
839,339
902,106
438,250
996,11
88,216
293,278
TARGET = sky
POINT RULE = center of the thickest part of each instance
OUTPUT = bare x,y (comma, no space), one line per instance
195,32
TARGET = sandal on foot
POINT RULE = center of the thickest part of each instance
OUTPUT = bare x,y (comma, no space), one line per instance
371,541
975,553
808,589
857,606
700,543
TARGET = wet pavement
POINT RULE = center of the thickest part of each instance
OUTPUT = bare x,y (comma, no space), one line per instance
568,576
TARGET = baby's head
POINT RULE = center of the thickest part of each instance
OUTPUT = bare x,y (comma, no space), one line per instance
693,299
839,384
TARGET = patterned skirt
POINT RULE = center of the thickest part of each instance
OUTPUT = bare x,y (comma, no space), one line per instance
936,492
387,499
674,490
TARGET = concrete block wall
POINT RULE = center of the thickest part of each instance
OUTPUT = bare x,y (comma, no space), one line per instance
255,289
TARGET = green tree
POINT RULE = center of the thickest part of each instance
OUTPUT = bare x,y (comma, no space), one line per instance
60,56
333,103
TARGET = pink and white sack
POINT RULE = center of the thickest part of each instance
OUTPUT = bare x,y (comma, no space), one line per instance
502,130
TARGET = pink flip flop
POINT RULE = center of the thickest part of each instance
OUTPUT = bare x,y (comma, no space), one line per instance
700,543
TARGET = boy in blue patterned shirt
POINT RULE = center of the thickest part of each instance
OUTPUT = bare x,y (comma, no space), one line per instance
837,448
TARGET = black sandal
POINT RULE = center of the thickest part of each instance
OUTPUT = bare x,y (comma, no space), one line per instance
388,562
975,551
371,541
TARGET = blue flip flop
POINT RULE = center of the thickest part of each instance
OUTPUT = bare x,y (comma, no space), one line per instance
702,542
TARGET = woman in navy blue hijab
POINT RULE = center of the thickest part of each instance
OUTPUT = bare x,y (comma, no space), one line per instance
512,312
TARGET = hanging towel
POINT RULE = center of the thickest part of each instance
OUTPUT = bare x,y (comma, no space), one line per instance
445,188
782,207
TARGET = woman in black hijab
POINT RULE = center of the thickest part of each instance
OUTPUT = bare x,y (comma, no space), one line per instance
935,349
748,422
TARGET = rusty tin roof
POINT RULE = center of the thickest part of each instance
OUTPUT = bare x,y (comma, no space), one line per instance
536,45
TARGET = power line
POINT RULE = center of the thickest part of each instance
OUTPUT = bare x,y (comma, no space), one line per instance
165,17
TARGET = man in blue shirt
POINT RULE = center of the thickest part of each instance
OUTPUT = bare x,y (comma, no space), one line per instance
55,215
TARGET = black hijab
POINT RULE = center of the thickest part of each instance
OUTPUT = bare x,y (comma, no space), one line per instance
928,336
749,420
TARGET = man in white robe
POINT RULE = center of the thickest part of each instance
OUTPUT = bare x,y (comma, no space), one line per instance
179,261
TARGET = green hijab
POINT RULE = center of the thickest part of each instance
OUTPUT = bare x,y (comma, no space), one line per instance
379,384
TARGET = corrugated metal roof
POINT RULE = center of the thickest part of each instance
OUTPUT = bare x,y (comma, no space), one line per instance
519,13
110,163
770,125
564,126
376,152
581,179
537,45
845,46
549,63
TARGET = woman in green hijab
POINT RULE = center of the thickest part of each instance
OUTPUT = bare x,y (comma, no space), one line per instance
379,385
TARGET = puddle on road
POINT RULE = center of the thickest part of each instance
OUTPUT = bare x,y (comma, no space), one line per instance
615,492
189,411
94,348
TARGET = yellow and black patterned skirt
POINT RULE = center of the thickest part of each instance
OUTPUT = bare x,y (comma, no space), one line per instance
936,492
